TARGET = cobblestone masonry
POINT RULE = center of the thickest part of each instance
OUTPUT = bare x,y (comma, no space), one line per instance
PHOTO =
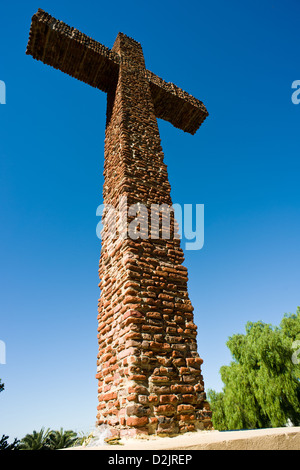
148,368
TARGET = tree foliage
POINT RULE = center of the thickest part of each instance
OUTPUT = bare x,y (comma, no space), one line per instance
48,440
4,444
261,384
62,439
37,440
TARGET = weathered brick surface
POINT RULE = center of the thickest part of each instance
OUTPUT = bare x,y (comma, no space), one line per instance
67,49
154,338
148,368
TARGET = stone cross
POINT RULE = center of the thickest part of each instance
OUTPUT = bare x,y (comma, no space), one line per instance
148,368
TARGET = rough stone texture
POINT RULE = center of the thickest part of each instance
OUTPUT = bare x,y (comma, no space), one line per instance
67,49
148,369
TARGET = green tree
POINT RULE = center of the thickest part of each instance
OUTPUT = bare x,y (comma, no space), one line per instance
62,439
36,440
4,445
48,440
261,384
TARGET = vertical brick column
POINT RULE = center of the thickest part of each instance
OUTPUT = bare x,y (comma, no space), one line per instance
148,368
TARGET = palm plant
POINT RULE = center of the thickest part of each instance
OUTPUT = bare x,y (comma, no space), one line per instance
48,440
62,439
36,440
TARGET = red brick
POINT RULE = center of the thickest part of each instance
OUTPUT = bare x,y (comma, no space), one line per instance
165,409
143,274
168,399
137,422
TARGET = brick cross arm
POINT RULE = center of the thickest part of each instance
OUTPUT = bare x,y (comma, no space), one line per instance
67,49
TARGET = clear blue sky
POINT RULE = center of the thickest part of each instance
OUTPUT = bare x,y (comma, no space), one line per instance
240,59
